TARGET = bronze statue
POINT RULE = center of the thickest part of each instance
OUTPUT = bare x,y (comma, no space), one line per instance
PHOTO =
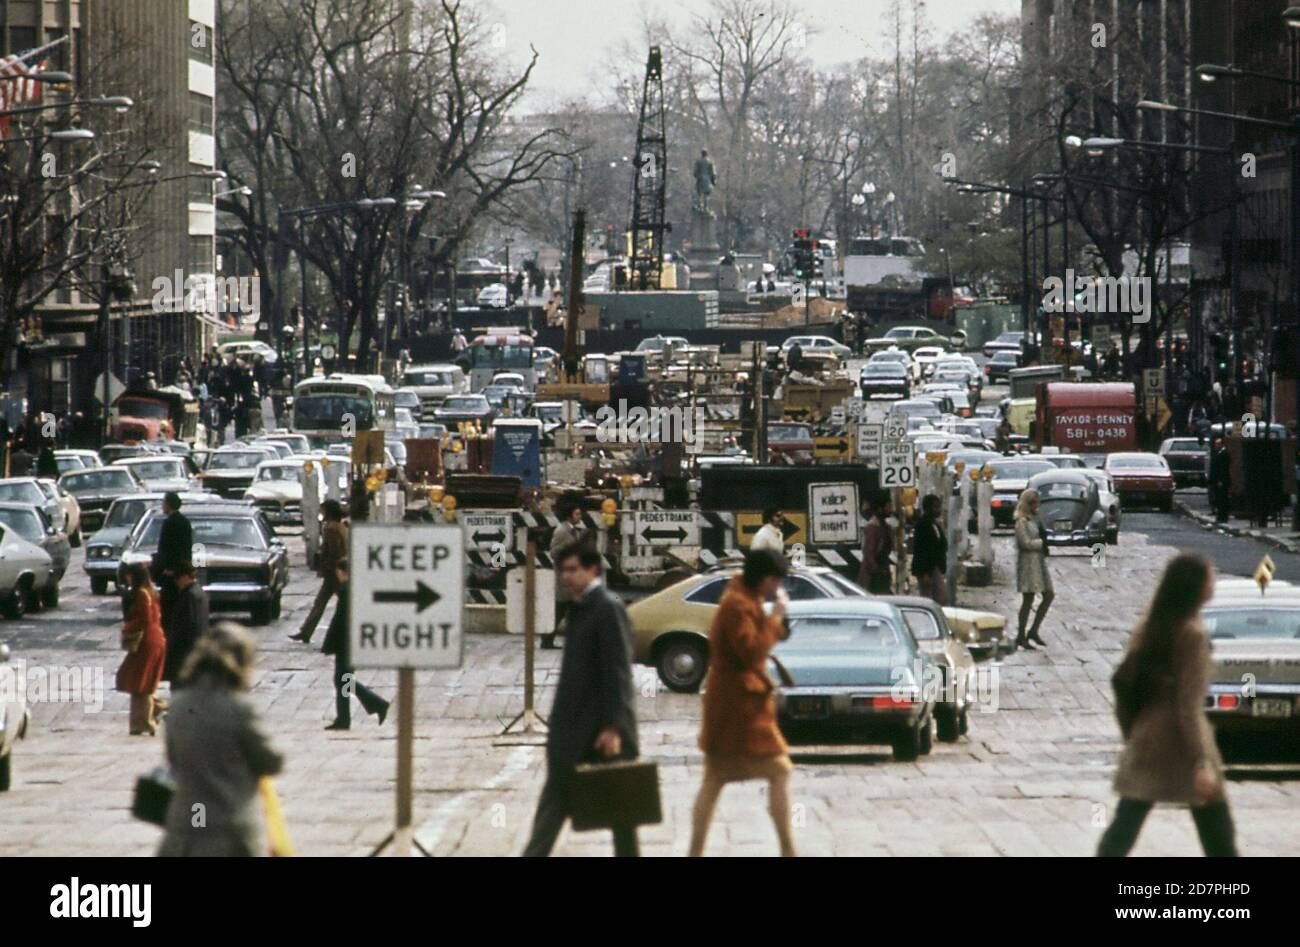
706,176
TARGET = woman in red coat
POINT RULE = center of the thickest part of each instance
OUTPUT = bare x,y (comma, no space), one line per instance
739,736
142,638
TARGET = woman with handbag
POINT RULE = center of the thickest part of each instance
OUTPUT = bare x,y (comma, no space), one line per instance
218,752
1169,750
1032,577
145,647
740,737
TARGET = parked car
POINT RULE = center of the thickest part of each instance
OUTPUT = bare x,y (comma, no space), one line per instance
998,368
160,473
1070,509
884,380
104,549
243,565
230,470
1140,478
1010,477
247,348
33,492
71,508
951,655
858,677
1188,460
25,570
15,717
33,525
1013,341
95,489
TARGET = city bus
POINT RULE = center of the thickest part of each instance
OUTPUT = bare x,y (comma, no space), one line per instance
500,350
331,408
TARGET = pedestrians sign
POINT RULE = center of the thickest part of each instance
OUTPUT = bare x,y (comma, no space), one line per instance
665,528
488,531
407,596
897,464
833,510
870,437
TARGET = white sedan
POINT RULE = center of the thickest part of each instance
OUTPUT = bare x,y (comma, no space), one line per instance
14,715
25,568
160,472
276,490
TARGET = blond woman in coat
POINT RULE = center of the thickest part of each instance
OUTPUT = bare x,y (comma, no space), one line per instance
1032,577
739,735
1169,750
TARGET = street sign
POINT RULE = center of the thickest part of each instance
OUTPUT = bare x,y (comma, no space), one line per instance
485,531
855,408
666,528
115,388
838,446
833,510
1101,336
795,529
838,415
1153,381
870,436
897,464
408,585
875,411
895,428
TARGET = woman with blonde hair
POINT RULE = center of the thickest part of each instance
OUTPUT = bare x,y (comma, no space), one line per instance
1169,750
739,736
217,750
1032,577
145,647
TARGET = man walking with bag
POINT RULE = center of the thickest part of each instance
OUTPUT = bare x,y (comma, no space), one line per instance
594,714
333,549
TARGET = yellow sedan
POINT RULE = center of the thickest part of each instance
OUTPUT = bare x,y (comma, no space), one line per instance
671,627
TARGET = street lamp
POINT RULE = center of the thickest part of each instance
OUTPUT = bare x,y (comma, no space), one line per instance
1291,17
64,134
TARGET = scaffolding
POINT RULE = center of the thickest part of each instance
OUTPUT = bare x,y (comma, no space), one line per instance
650,181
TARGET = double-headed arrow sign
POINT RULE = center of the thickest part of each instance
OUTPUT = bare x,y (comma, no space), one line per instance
496,536
650,534
422,597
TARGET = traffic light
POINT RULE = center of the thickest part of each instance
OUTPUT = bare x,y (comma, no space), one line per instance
804,257
815,260
1219,351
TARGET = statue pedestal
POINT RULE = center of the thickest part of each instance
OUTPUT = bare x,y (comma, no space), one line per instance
705,251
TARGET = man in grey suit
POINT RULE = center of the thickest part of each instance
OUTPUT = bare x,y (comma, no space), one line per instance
594,714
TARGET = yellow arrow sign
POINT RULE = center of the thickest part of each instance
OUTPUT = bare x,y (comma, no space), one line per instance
840,446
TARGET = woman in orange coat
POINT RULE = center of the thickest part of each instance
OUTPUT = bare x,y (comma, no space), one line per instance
142,638
740,738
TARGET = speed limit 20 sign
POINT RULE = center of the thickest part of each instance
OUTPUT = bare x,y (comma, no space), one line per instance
897,464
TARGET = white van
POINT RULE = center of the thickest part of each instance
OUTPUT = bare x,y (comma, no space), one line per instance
434,384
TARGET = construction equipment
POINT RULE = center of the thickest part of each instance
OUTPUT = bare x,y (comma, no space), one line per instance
572,384
650,182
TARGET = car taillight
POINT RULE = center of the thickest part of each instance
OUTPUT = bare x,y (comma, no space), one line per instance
1227,702
884,702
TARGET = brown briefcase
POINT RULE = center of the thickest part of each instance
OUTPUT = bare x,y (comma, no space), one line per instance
617,794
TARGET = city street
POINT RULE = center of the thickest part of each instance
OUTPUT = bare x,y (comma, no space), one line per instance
1032,778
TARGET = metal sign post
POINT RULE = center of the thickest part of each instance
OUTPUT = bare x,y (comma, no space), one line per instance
406,612
532,721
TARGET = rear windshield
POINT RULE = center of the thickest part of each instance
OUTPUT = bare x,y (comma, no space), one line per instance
1258,623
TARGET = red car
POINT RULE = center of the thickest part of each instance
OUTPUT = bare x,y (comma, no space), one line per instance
1141,478
790,442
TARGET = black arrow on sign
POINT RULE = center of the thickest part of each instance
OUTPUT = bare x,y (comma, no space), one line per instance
497,536
422,597
650,535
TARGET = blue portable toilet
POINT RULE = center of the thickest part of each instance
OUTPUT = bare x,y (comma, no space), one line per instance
517,450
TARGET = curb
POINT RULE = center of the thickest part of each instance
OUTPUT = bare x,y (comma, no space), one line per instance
1206,520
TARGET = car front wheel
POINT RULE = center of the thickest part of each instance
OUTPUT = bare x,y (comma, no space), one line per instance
682,664
17,601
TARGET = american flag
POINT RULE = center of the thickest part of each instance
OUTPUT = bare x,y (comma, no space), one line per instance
15,89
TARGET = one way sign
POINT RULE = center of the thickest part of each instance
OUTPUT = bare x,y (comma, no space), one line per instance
406,598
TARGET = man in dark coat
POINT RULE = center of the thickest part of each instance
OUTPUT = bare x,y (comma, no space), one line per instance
930,551
338,643
877,546
333,549
1220,480
594,714
189,622
174,554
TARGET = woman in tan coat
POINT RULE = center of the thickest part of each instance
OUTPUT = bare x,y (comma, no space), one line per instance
1169,750
739,737
1032,577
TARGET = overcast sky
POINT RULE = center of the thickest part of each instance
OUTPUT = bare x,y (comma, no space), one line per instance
574,37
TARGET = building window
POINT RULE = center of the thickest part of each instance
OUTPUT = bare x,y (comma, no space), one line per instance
200,258
201,189
201,113
200,43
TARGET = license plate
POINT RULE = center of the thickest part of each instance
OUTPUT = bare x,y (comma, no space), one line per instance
1063,526
1271,707
810,706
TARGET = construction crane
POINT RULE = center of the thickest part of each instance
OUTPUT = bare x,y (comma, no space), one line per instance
650,181
573,384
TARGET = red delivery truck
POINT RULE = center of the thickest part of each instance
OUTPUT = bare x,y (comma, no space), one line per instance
1086,418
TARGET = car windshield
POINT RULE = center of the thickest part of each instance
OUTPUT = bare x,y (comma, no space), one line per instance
922,624
1018,470
1011,337
898,334
21,493
235,460
466,403
160,470
278,472
69,463
788,432
406,399
1060,490
842,633
127,512
1138,461
211,530
1185,444
886,369
23,522
102,479
1258,623
140,408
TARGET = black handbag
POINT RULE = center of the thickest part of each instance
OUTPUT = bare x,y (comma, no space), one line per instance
616,794
153,794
